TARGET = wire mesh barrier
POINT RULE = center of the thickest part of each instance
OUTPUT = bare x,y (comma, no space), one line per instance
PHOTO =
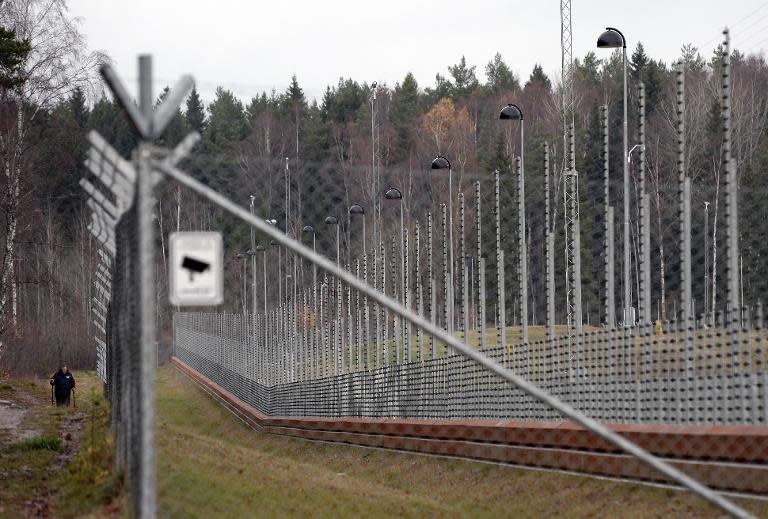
284,367
416,310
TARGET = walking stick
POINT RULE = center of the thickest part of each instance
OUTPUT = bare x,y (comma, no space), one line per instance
74,402
52,396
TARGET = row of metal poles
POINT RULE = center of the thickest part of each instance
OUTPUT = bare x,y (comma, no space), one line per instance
457,290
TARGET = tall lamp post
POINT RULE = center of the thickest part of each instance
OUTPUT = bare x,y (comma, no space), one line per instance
512,112
440,162
307,229
357,209
612,38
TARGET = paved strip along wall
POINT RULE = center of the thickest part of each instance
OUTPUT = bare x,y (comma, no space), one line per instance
726,457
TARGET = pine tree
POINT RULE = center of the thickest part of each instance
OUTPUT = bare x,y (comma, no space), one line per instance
403,113
500,76
464,79
638,62
539,77
195,113
78,108
13,53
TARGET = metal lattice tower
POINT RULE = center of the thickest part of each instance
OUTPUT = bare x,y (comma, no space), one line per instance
570,177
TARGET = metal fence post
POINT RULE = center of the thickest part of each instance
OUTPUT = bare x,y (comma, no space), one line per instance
147,345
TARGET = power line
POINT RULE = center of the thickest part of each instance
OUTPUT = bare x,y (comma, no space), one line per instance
741,20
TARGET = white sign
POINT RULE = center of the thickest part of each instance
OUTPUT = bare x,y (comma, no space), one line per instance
197,277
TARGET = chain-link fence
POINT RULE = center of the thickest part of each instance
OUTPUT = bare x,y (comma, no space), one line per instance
441,311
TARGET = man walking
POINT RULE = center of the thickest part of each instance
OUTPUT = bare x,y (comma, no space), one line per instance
63,384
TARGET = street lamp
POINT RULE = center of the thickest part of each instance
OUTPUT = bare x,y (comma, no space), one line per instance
613,39
441,162
260,248
357,209
512,112
332,220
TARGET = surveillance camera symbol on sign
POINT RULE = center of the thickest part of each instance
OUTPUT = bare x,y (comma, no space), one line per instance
194,266
197,274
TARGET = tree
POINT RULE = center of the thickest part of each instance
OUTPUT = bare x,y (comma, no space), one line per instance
464,79
195,113
443,88
538,77
638,62
500,76
403,113
46,61
13,54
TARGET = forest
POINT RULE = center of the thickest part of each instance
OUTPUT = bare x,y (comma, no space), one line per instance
345,148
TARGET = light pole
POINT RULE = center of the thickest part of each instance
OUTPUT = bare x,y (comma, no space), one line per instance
512,112
441,162
306,230
332,220
357,209
260,248
243,257
613,39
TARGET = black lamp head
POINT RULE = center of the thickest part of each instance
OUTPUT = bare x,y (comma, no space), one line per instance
271,221
331,220
308,228
259,248
611,39
240,255
441,162
274,243
511,112
356,209
393,194
251,252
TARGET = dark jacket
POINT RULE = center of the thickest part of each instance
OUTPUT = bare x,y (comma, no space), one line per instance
63,383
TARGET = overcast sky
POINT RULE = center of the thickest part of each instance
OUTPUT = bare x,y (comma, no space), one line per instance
251,46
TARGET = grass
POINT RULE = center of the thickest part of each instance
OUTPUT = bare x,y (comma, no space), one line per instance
48,477
211,465
51,443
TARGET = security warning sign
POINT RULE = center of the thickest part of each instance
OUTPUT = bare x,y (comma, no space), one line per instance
197,277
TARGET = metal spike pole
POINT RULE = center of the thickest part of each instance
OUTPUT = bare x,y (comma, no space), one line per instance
645,300
500,310
522,249
419,289
610,289
446,284
431,276
480,266
463,267
406,300
731,199
550,254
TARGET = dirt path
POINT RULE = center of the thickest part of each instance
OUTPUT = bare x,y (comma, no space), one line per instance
11,415
26,415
